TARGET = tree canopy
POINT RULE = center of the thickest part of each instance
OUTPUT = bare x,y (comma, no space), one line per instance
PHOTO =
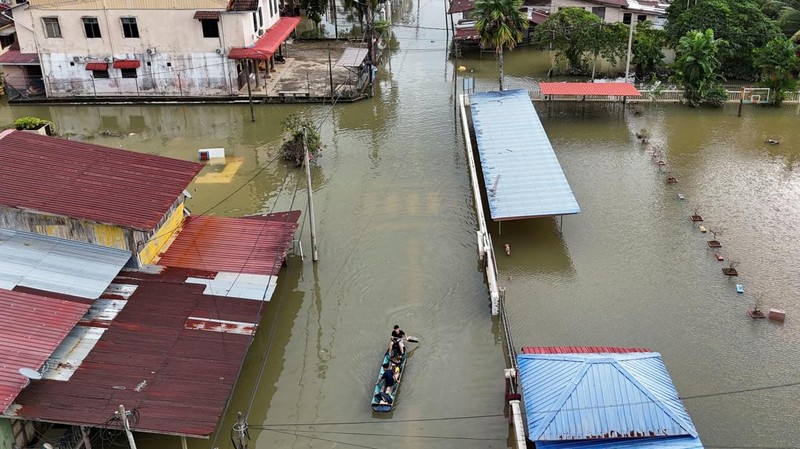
696,68
740,23
777,62
500,24
786,14
647,45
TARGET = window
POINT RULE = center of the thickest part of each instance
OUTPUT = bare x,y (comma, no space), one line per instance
7,41
128,73
100,74
600,12
261,16
255,22
51,27
91,27
129,27
641,18
626,18
210,27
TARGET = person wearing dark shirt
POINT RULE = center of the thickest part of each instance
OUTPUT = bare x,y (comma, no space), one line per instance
388,377
396,343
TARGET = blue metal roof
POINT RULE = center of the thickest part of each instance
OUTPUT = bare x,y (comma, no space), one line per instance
57,265
600,396
521,173
684,442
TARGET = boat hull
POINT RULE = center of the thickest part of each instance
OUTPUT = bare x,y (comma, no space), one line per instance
383,402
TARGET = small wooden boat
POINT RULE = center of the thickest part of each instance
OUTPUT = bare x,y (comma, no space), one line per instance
383,399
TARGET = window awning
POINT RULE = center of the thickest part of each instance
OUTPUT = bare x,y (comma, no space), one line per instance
127,64
267,44
206,15
96,66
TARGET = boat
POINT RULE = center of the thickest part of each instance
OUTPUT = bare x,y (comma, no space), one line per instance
383,401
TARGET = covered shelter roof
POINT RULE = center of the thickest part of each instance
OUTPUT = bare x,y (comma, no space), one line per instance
16,57
590,89
352,57
580,350
521,173
611,397
267,44
155,359
57,265
90,182
457,6
31,327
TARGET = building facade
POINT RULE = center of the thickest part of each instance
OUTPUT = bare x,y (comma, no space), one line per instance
625,11
139,47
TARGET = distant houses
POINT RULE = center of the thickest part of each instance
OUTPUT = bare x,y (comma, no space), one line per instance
130,48
111,293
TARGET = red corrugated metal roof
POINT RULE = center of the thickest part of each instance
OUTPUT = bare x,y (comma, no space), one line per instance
127,64
256,245
590,89
579,350
31,327
460,6
267,44
186,375
91,182
15,57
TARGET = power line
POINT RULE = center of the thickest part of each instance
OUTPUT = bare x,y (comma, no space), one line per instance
434,437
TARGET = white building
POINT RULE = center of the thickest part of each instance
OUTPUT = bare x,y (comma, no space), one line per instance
625,11
130,48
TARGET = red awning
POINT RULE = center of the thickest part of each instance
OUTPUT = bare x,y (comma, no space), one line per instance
96,66
127,64
267,44
589,89
206,15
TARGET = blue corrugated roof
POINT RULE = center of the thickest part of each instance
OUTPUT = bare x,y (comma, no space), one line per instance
685,442
521,173
606,396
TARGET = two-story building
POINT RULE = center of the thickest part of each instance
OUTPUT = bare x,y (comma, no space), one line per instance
142,47
625,11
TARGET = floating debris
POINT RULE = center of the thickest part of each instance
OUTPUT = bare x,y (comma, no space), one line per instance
740,288
681,197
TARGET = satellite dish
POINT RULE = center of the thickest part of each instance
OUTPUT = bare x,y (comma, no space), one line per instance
30,373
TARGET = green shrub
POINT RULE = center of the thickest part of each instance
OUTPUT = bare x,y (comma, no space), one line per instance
30,123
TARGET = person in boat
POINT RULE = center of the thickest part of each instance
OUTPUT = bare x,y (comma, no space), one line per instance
389,377
396,344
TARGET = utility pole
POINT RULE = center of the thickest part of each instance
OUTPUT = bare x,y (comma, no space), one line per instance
330,72
249,92
630,47
314,253
124,417
371,49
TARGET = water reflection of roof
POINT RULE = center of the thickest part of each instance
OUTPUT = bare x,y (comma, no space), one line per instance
31,327
611,395
92,182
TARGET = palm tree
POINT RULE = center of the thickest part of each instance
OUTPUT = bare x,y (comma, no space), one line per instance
500,24
787,15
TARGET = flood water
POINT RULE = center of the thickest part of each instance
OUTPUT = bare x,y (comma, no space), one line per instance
396,230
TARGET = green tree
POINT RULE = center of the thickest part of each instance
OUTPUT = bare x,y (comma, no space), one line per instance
786,14
314,10
647,46
740,23
696,68
294,126
572,32
609,41
777,62
500,24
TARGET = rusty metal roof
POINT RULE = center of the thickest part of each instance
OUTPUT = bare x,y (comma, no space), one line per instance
31,327
154,358
91,182
49,264
243,5
590,396
579,350
590,89
460,6
16,57
252,245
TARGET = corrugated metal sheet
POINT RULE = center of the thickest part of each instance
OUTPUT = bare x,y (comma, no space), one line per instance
56,265
31,327
242,5
352,57
15,57
90,182
460,6
590,89
685,442
267,44
467,34
600,396
234,245
579,350
521,173
184,376
237,285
